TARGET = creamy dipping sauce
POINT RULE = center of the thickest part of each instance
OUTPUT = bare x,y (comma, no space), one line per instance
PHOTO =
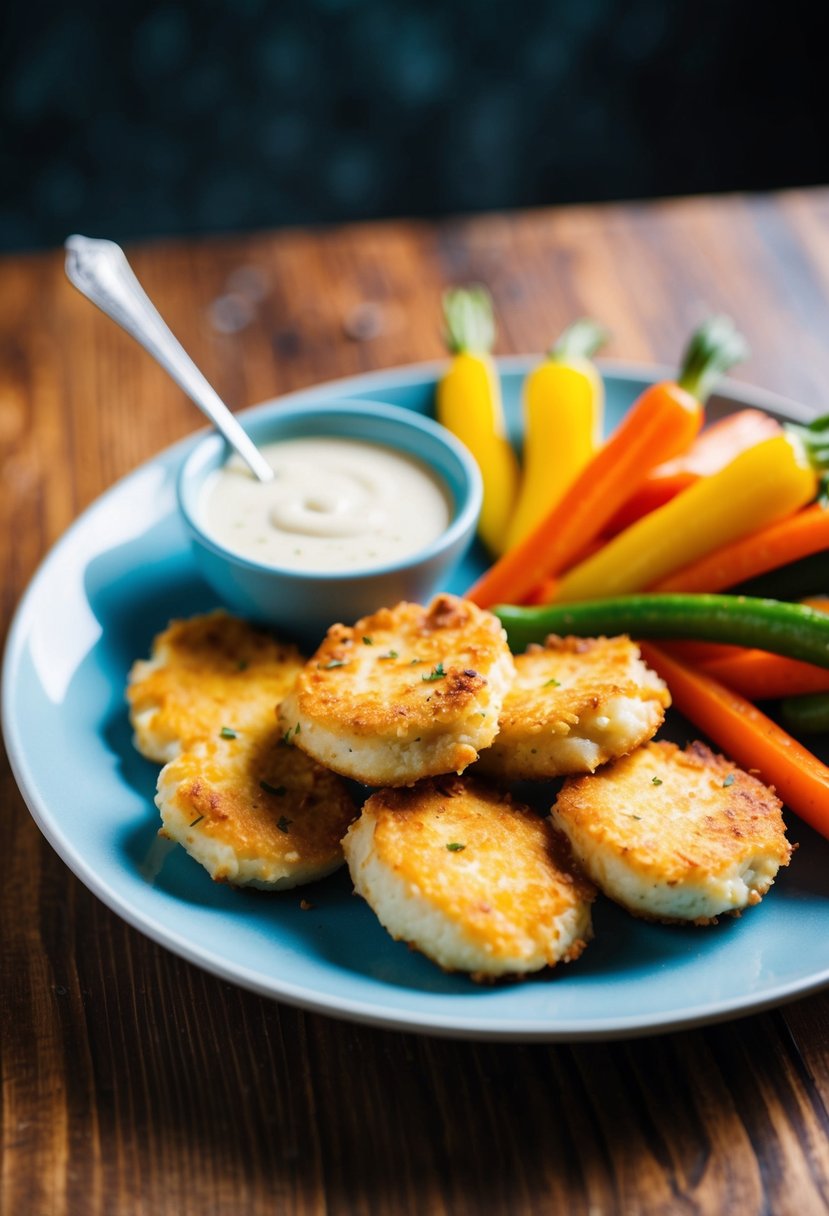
335,504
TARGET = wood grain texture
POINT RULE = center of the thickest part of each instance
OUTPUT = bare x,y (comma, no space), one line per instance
134,1083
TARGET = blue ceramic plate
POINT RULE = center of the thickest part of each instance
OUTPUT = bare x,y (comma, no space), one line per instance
113,581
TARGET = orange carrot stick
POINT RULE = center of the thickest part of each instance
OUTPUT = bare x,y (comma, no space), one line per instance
749,737
697,653
661,424
651,495
665,416
797,536
759,676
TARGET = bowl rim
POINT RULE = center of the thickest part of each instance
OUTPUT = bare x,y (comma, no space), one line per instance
196,465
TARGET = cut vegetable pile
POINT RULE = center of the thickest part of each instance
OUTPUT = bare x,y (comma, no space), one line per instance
635,534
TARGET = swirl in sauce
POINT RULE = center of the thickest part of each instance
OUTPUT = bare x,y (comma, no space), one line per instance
335,504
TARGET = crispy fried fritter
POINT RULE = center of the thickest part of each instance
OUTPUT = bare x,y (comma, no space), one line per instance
205,673
476,882
408,692
675,835
574,704
255,811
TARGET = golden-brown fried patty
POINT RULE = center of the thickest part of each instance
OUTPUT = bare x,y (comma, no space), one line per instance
206,673
408,692
574,704
476,882
675,835
255,811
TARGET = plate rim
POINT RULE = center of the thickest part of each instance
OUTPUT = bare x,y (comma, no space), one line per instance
298,995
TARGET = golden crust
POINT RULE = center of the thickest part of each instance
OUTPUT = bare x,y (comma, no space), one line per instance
575,703
205,673
405,693
254,809
509,888
675,819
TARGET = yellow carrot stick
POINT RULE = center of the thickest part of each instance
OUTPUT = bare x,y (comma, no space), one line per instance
469,404
563,406
765,483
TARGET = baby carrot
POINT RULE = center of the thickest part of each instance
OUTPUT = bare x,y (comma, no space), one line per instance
468,403
662,423
563,400
785,541
749,737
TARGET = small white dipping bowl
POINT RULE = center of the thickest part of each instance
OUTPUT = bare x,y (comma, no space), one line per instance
301,603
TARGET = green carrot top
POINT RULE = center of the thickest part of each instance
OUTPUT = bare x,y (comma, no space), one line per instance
469,320
714,347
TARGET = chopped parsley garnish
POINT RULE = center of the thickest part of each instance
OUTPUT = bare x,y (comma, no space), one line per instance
552,683
656,780
333,663
368,641
437,673
227,732
284,823
728,781
390,654
454,847
415,662
195,821
286,738
279,790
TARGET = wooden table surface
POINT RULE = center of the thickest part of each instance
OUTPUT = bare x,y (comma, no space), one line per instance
136,1083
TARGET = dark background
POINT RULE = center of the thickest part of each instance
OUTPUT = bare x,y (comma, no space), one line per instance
123,119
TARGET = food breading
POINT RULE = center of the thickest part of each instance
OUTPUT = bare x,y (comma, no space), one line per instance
406,693
675,835
473,880
255,811
574,704
204,673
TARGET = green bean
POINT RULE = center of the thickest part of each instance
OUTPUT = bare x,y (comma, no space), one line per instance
807,714
774,625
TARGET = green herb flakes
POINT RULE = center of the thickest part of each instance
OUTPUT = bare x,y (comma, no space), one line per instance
552,683
368,641
227,732
332,663
390,654
728,781
454,847
437,673
656,780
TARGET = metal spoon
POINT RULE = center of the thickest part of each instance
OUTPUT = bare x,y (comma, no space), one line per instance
101,272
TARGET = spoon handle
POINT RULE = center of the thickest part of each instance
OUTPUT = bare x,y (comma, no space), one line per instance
101,272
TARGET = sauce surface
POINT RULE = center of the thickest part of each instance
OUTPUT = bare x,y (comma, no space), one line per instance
335,504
